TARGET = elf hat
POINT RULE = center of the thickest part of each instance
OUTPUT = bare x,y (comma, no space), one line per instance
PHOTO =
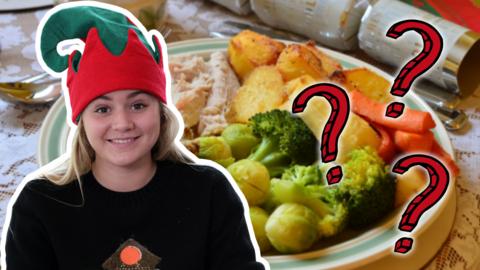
116,55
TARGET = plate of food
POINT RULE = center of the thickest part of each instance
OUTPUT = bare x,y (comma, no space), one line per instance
235,98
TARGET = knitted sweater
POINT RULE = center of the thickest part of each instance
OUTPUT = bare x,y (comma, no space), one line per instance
186,217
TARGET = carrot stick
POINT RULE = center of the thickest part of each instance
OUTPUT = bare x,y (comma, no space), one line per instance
413,142
411,120
447,160
386,150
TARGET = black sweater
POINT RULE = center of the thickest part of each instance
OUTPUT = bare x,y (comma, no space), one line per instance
186,217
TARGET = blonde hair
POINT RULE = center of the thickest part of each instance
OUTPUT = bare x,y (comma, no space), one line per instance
83,154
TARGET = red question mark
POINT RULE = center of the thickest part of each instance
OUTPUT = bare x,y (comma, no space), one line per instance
439,179
432,48
340,103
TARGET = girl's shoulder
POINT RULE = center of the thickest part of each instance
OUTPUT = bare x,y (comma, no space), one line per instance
44,185
205,171
42,190
201,175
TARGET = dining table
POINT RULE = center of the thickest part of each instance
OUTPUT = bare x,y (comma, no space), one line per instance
20,124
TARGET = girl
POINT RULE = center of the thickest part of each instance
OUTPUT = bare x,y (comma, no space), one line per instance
129,198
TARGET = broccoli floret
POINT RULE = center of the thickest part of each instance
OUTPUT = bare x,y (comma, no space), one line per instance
285,140
304,175
331,210
367,187
336,213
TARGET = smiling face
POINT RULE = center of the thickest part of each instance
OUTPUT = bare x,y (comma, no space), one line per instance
122,127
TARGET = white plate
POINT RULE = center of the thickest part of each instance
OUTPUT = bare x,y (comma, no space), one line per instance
373,249
11,5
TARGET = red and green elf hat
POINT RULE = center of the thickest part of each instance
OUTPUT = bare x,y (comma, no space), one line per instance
116,55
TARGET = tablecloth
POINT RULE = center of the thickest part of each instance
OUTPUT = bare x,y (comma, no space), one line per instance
20,124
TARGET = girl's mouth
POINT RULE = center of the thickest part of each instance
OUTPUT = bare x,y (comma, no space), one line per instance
123,140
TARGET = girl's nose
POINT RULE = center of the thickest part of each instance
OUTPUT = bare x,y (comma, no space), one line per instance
122,121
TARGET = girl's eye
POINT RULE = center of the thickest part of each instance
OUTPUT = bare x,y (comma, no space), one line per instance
102,110
138,106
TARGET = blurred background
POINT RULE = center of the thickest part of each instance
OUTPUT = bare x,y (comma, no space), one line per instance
354,27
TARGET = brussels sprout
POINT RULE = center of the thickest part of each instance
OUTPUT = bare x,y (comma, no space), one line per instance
241,140
292,228
216,149
323,200
259,218
252,178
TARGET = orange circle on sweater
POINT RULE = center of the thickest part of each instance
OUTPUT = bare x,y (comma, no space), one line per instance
130,255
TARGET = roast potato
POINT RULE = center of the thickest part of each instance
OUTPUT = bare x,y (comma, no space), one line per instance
366,81
297,60
329,64
298,84
409,184
248,50
263,90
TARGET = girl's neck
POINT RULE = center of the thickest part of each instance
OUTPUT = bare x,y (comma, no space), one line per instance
123,179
